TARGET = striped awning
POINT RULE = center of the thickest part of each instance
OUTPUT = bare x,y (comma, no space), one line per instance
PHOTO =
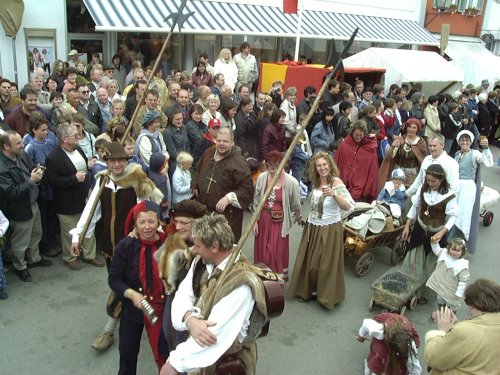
212,17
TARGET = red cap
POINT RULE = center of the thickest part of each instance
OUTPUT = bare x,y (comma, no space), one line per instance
214,123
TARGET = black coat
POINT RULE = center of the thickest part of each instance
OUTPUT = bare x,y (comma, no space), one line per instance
247,134
15,187
483,119
69,194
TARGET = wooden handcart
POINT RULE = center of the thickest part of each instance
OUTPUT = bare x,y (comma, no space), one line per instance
356,246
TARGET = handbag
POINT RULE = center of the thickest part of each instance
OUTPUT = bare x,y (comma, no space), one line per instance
277,216
114,305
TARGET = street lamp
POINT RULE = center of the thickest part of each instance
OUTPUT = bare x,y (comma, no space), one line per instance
441,6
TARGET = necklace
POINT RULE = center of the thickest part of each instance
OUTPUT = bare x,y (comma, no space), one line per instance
433,197
272,197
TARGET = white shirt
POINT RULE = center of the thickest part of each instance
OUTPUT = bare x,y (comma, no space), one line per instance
432,198
231,313
181,185
449,165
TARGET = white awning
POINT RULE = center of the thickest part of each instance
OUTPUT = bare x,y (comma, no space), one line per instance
213,17
476,61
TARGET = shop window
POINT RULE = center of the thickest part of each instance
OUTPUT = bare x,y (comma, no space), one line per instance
262,47
146,47
205,44
78,18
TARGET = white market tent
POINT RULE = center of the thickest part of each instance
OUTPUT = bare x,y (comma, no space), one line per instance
407,66
476,61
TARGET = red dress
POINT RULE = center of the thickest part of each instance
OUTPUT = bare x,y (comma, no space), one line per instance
270,247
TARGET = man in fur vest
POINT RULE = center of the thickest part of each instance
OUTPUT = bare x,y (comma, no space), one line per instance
223,321
125,186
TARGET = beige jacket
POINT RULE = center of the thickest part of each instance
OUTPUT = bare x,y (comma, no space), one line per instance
291,199
432,121
470,347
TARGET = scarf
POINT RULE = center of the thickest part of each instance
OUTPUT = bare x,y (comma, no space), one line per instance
149,274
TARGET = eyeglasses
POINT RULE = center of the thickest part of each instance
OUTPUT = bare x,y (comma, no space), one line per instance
85,92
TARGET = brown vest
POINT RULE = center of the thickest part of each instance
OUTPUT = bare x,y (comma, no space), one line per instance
436,216
115,207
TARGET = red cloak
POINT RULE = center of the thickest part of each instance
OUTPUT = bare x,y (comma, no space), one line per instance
358,165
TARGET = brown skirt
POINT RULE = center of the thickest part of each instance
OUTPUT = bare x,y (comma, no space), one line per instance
319,266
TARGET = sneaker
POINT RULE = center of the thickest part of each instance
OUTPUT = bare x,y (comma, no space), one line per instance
40,263
3,294
103,341
74,265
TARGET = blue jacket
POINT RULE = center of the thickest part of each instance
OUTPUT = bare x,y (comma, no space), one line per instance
322,139
398,197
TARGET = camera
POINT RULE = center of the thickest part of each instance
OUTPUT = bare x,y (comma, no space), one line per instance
276,89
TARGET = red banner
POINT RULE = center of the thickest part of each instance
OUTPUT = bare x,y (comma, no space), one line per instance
290,6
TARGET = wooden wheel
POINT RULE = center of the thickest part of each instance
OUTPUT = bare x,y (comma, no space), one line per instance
371,304
413,303
488,218
398,252
364,264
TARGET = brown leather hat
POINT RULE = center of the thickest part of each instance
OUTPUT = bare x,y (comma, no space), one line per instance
115,150
189,208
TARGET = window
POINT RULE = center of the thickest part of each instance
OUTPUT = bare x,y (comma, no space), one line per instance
463,5
444,4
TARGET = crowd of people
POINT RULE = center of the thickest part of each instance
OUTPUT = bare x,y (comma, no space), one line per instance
204,141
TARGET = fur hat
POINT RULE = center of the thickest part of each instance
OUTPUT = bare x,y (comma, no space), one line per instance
115,150
149,118
189,208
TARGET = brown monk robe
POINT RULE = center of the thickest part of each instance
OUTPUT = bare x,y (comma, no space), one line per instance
223,178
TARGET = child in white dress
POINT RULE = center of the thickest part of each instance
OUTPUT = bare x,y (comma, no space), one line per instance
451,276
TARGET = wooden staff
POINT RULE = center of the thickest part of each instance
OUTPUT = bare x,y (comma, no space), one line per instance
177,18
286,157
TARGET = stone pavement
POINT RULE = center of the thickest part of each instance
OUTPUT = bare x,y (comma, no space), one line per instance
47,326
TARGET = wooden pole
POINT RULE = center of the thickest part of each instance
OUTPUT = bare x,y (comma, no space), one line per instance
286,157
129,126
258,210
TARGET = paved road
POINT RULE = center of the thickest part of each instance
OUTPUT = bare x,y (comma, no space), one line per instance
46,326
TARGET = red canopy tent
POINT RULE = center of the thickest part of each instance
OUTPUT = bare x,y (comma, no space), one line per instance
300,75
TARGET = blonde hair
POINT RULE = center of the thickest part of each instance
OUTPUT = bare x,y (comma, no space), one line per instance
223,51
129,141
212,229
184,157
313,173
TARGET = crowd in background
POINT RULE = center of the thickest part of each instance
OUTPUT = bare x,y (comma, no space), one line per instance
349,149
